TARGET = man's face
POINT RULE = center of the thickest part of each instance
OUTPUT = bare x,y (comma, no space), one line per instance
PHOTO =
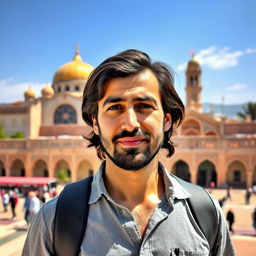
131,121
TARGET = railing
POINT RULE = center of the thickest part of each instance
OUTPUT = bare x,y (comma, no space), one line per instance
79,143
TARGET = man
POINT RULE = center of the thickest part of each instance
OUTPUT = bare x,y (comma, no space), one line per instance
34,204
136,207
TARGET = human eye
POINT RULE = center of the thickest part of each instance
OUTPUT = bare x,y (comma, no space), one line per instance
142,106
114,107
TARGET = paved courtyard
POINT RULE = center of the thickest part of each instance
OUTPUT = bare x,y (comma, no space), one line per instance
13,232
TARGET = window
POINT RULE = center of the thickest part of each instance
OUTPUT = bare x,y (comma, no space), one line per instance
67,88
77,88
237,176
65,114
59,89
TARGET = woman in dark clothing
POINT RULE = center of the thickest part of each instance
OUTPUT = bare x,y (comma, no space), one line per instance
13,202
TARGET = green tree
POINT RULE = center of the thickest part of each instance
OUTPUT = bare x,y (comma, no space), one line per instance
63,176
248,109
3,134
17,135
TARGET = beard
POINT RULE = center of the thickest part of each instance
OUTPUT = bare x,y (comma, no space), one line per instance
132,159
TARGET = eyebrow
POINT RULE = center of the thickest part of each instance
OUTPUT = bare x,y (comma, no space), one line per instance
112,99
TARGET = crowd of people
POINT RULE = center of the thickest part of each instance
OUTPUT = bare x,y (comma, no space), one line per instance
33,200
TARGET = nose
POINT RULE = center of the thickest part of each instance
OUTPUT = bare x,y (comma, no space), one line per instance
130,121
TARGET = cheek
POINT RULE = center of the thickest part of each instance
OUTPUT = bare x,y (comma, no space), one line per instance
154,124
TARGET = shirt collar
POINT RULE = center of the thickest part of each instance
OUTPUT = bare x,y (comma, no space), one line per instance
173,189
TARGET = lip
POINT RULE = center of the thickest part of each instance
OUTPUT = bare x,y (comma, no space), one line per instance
131,141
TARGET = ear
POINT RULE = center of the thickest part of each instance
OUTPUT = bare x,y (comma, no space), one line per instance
95,126
167,122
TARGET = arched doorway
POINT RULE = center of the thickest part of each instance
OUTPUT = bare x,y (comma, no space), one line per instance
17,168
62,171
236,175
84,170
181,170
206,174
191,127
40,169
2,169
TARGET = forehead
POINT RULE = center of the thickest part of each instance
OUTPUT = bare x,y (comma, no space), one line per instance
143,83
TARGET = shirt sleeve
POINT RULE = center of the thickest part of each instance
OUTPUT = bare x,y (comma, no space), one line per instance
40,235
223,245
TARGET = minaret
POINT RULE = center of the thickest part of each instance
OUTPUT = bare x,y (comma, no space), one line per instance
193,85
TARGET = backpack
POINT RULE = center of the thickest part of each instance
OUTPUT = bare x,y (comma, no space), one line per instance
72,212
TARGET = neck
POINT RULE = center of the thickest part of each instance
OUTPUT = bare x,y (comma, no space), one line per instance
132,188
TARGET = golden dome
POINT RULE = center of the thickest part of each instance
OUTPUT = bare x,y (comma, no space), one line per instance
47,91
76,69
29,94
194,65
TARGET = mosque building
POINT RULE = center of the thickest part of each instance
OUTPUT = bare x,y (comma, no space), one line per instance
208,149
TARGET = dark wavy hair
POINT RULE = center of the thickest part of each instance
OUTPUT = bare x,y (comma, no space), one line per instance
124,64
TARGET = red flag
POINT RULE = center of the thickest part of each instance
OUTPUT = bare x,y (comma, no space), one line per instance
192,52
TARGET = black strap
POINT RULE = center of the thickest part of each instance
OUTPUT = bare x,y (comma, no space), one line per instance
69,230
203,210
71,218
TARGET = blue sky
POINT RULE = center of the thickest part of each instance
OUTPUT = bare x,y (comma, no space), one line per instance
37,37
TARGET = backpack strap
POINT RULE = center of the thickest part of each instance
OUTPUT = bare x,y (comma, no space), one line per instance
71,218
203,210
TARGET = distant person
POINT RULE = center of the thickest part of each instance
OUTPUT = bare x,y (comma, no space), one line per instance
254,220
34,205
14,199
231,220
5,200
27,207
247,196
228,196
222,201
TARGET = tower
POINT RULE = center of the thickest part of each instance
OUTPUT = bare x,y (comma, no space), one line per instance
193,85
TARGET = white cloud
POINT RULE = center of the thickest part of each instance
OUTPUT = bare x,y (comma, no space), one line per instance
218,58
250,50
13,91
182,67
236,87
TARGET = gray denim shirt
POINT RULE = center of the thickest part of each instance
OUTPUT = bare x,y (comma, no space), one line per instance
112,230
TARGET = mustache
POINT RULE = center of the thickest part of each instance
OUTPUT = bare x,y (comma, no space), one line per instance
134,133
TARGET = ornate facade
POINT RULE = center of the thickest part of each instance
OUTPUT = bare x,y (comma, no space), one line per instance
208,150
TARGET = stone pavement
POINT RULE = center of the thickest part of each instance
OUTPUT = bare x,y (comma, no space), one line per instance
13,232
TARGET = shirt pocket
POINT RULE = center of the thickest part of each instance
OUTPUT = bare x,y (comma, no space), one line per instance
180,252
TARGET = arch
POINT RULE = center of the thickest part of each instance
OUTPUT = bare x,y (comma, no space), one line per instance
17,168
211,133
181,169
236,174
206,174
65,114
62,171
2,169
84,169
191,127
254,176
40,169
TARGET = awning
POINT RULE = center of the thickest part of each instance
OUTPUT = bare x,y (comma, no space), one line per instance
18,181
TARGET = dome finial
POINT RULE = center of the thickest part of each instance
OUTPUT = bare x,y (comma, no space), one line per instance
77,56
77,49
